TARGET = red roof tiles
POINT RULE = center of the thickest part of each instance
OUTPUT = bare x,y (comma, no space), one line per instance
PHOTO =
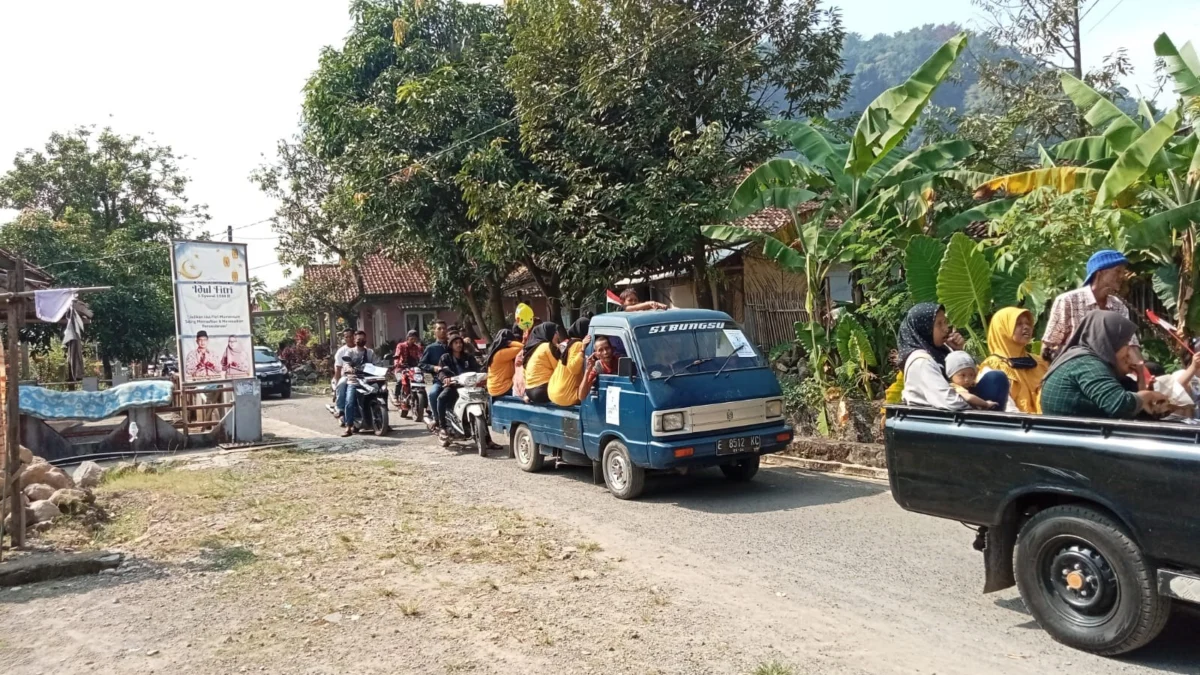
380,274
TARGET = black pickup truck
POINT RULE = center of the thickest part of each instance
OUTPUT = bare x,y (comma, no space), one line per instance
1097,522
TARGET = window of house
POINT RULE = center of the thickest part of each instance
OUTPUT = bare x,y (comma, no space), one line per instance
841,284
419,320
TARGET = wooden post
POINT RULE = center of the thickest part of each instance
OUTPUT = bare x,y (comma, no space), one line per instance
12,406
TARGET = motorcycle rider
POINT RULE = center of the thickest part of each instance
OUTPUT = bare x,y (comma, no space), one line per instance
408,355
359,356
454,362
339,379
429,363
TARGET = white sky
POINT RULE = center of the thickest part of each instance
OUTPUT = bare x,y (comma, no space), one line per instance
221,81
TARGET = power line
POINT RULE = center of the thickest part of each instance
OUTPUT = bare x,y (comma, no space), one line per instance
147,249
1114,8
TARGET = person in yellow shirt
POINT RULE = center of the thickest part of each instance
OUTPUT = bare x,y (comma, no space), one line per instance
564,384
501,362
541,356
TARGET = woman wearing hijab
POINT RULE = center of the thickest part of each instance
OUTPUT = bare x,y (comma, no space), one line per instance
1009,335
454,362
564,383
1090,378
501,362
925,340
541,357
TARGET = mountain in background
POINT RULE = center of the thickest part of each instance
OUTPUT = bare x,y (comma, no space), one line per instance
884,61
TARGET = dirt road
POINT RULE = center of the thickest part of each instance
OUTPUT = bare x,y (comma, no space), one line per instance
400,556
797,565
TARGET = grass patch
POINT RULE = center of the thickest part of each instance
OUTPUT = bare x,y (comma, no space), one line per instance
773,668
589,547
410,608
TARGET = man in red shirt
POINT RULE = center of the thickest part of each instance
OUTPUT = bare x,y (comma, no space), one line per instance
408,355
603,361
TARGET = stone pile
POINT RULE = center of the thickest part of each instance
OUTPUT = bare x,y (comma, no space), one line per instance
305,375
48,492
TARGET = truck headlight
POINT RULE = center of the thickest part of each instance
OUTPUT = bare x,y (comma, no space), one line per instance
672,421
775,408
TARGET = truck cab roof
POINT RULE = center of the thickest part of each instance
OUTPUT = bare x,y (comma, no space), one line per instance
654,317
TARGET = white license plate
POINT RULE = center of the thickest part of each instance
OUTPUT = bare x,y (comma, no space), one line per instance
733,446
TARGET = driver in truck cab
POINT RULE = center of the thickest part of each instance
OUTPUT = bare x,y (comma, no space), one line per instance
603,361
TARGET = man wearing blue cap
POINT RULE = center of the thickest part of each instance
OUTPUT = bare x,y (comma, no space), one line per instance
1106,273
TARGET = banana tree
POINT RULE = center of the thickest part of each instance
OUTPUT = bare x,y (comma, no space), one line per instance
956,275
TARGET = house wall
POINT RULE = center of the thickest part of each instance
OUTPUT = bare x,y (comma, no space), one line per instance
394,315
774,301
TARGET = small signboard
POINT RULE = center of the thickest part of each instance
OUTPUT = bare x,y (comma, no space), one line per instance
212,311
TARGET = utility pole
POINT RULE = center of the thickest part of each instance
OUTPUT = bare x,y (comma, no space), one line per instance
229,233
12,412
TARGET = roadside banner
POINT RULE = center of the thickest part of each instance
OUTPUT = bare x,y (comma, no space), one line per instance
212,311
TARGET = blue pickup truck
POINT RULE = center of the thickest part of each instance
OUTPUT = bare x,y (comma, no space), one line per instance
690,391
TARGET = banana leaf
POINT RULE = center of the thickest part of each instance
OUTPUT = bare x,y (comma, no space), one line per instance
964,285
1166,286
1145,113
809,141
922,260
773,249
1085,149
775,183
1061,178
889,118
935,157
988,211
1156,232
1047,162
1134,162
1118,129
1181,64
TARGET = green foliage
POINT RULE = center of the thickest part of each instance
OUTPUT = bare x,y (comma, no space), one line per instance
1181,64
922,260
964,285
98,209
1133,163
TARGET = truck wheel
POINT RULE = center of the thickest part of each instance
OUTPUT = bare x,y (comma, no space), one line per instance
624,480
481,436
526,451
742,470
1086,582
379,420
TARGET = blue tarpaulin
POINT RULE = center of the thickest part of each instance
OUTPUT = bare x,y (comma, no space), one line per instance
48,404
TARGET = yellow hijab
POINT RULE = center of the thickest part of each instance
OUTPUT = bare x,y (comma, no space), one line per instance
1025,384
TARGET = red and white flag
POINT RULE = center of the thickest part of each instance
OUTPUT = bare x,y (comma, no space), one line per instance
614,299
1170,328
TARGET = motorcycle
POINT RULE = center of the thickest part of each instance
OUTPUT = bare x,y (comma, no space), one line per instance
469,418
370,382
410,393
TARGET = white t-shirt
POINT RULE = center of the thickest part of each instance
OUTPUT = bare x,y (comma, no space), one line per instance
925,384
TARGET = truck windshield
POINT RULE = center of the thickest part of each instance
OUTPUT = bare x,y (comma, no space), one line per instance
695,347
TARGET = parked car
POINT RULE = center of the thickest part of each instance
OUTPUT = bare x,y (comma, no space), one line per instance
272,375
690,391
1097,522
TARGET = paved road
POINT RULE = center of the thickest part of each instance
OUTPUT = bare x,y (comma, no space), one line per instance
819,567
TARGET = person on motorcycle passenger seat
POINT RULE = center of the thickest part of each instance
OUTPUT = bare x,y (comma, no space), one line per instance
541,357
359,356
564,384
455,361
429,363
501,361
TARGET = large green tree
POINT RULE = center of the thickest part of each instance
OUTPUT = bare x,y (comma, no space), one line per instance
98,209
390,116
635,116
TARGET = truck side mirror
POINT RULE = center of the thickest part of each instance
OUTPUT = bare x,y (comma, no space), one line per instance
625,367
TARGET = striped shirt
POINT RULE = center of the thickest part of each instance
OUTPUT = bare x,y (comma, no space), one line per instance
1067,313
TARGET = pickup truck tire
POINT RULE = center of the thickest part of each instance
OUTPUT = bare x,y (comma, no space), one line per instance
624,480
526,451
1087,583
741,470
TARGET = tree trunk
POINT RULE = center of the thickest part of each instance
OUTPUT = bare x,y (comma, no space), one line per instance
1187,278
108,370
548,285
495,290
476,311
701,289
